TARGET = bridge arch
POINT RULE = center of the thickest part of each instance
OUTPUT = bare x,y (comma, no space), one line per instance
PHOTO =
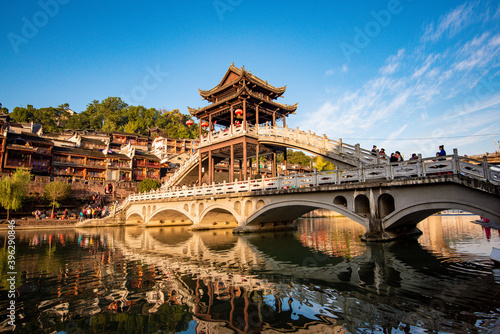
385,205
362,205
292,209
335,159
412,215
134,216
219,215
340,200
170,216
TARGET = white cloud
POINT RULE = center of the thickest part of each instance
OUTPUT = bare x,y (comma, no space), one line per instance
497,13
392,63
345,68
427,64
329,72
411,94
451,23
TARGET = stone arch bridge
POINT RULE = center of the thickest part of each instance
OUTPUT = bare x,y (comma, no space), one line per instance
388,200
336,151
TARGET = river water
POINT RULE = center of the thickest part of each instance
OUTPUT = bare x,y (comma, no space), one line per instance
319,279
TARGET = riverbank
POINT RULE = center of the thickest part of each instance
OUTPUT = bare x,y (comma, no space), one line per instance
48,223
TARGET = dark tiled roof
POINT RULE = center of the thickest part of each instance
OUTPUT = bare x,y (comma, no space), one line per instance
144,155
241,73
78,151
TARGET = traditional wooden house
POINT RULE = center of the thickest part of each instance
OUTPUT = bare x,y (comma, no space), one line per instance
239,103
79,163
26,151
145,166
166,148
119,167
121,139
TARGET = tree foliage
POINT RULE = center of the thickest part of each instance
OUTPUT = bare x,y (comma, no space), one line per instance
110,114
13,190
3,109
48,117
148,185
296,157
321,164
56,191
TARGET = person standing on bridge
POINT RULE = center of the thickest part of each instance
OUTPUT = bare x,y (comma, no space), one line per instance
442,152
399,156
374,150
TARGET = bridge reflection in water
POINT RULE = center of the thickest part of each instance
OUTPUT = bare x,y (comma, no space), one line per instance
318,279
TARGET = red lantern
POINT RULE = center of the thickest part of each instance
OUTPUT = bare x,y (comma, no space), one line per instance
204,124
238,112
189,123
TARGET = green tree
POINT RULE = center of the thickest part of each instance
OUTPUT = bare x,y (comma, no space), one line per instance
148,185
13,190
3,109
321,164
174,124
56,191
23,115
298,157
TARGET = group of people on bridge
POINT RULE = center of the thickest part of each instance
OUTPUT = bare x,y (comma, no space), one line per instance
397,156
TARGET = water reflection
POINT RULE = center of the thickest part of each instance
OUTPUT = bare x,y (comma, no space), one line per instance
318,279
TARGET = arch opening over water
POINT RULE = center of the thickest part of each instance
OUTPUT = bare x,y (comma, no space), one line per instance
170,217
288,211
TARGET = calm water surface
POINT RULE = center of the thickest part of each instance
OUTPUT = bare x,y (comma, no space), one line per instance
319,279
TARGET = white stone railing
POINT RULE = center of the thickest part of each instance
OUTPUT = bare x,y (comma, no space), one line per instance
232,131
451,164
186,165
304,139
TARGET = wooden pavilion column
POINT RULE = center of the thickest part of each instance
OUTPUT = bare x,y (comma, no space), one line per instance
231,164
274,118
273,165
241,169
199,168
245,160
284,121
285,158
257,115
244,115
201,121
210,169
210,126
232,116
257,150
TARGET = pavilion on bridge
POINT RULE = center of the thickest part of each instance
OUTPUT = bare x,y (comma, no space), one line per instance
239,103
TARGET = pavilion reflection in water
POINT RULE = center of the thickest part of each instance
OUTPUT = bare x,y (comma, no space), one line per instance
245,284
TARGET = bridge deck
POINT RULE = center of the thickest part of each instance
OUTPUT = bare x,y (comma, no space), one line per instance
403,171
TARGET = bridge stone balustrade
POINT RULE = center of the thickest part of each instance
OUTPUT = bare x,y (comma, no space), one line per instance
338,152
388,200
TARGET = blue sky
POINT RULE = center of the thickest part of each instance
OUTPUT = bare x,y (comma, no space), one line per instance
405,75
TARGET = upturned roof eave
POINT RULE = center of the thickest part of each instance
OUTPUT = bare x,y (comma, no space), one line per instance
242,73
288,108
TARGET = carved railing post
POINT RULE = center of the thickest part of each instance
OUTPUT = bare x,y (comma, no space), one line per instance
421,165
486,168
456,162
